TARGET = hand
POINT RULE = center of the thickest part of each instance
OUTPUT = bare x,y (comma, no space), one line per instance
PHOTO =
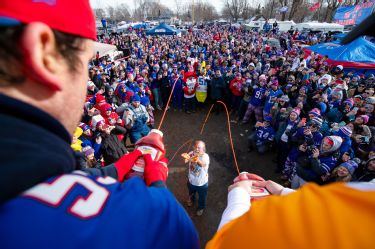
155,170
98,140
272,187
315,153
246,185
302,148
247,176
325,177
127,112
125,163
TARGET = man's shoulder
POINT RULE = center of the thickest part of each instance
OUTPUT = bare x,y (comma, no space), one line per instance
88,196
70,203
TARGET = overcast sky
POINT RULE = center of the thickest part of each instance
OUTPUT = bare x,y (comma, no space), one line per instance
170,3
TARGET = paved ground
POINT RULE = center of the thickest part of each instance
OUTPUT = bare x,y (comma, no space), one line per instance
179,127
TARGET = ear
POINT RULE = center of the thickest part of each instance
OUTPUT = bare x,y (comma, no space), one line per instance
42,61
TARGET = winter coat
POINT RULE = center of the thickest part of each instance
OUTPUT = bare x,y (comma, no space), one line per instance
236,87
112,148
217,88
312,169
362,174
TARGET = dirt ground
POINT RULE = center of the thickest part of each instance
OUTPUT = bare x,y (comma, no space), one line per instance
178,127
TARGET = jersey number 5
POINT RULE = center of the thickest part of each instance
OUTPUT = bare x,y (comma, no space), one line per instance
54,193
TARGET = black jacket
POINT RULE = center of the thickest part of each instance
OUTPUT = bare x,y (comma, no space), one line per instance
112,148
33,147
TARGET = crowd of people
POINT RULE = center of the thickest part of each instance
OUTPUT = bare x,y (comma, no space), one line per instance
317,117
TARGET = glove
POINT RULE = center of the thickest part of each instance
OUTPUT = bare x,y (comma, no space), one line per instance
125,163
155,170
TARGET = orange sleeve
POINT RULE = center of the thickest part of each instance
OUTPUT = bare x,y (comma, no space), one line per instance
334,216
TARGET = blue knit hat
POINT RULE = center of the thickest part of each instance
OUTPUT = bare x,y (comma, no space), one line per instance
350,165
136,98
268,119
344,131
322,106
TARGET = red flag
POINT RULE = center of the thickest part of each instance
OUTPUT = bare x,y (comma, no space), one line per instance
315,6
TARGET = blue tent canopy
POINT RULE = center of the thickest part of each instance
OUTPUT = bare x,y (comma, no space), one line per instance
359,50
139,26
359,54
162,29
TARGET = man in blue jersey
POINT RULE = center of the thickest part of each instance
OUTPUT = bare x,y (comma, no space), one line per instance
256,102
271,96
45,202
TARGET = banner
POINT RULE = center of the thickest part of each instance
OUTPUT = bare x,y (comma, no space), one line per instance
315,6
354,15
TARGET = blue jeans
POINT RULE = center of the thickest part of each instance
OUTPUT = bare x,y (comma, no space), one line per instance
202,194
157,97
139,133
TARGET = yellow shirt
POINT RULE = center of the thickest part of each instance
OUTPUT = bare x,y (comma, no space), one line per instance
334,216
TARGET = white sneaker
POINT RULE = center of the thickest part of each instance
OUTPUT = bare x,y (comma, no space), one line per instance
200,212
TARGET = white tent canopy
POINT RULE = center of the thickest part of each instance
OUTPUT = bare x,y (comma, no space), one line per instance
105,49
319,26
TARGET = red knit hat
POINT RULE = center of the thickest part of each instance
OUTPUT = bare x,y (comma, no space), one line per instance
72,17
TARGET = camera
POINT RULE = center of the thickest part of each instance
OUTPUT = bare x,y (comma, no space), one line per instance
310,148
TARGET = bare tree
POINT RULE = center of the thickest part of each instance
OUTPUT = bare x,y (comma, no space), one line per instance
282,4
203,11
331,9
148,9
99,13
236,8
122,13
269,9
296,5
303,13
179,8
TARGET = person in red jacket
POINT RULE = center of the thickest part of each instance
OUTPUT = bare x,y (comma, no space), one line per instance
110,117
236,88
189,88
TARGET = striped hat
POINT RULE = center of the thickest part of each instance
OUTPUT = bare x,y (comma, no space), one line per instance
345,131
296,111
316,121
315,112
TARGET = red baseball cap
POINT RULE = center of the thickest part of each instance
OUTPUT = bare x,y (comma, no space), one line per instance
72,17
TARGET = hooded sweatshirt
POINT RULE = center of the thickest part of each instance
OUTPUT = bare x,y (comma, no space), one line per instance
311,169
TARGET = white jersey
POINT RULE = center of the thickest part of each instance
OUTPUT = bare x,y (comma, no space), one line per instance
198,176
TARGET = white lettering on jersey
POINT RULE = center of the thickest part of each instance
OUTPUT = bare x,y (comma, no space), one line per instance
54,193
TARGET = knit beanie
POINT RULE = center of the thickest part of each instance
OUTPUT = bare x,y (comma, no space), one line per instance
365,118
349,102
322,107
350,165
136,98
88,151
315,112
344,131
296,111
316,121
